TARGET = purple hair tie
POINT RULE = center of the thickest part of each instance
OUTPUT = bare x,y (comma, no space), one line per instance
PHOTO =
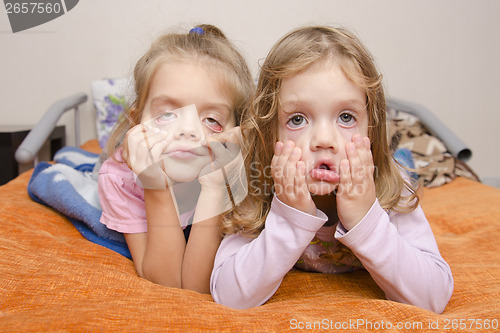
197,31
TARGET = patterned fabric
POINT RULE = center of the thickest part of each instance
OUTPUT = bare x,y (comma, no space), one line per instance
434,165
110,100
328,257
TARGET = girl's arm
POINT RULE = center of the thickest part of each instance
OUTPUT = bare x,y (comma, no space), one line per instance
158,254
204,238
161,255
141,216
401,254
247,271
214,199
199,256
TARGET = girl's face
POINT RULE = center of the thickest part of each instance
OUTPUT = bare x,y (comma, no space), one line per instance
320,110
187,102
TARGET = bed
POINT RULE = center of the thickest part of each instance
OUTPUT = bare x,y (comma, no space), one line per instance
52,278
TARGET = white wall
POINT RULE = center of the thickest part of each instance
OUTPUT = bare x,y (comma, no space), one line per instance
442,54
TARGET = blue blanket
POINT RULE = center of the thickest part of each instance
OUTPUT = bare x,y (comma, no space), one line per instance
70,187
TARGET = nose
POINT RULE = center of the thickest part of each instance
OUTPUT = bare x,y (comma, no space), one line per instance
188,126
187,132
324,136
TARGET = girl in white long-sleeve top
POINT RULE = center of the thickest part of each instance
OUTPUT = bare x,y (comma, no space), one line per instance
329,197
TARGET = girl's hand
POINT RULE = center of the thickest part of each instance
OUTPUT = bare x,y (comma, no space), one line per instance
289,174
223,181
356,191
224,147
142,149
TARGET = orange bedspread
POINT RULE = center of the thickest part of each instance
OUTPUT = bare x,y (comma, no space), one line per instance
52,279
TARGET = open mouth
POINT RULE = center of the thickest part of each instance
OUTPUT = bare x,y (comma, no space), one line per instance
324,167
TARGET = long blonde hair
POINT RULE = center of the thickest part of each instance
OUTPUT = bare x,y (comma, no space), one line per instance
203,43
293,53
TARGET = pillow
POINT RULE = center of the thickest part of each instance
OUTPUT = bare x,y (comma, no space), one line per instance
110,100
433,164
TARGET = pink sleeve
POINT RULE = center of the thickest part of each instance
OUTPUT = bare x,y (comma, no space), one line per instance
122,200
400,253
247,271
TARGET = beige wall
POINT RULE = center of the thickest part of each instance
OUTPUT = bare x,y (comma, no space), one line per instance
442,54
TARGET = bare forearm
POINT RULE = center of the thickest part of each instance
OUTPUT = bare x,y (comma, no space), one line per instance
204,240
165,246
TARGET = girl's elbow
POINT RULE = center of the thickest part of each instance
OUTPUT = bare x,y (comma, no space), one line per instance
439,291
234,302
441,296
440,304
435,299
201,287
160,277
238,298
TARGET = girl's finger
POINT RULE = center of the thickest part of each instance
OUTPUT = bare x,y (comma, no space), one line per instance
280,167
300,178
285,153
232,135
366,167
354,160
282,152
363,150
291,166
278,148
366,140
345,182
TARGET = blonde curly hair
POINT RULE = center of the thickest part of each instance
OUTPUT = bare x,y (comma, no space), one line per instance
295,52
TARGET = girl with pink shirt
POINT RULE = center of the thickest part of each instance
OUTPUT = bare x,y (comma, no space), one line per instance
329,197
168,157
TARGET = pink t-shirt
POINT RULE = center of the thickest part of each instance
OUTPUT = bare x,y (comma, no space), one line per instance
122,200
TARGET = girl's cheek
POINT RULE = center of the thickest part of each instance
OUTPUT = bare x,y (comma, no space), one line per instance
289,135
282,133
348,133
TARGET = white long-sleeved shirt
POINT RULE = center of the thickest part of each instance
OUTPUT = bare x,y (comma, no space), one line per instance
398,250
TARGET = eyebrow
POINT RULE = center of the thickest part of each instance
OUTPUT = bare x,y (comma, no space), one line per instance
289,104
351,102
164,99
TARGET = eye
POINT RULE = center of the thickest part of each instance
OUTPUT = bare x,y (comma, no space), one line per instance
166,118
347,119
296,121
213,124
